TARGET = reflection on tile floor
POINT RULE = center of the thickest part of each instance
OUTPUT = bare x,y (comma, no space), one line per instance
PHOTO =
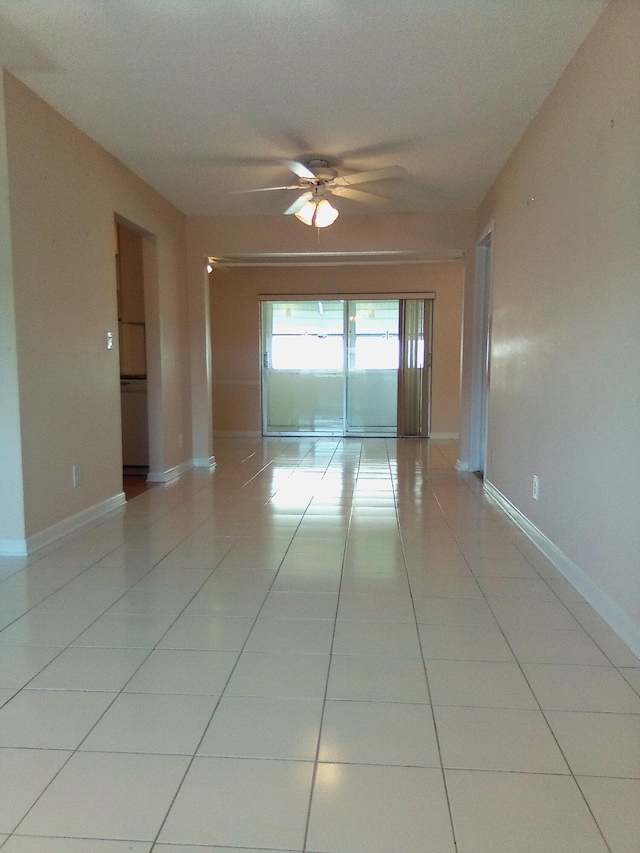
323,645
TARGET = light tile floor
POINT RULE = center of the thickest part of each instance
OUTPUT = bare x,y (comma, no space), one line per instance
329,646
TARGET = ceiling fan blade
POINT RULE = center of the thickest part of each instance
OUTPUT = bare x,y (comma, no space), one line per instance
298,204
264,189
358,195
373,175
299,169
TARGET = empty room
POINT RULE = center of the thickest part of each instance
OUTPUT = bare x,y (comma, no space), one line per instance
319,417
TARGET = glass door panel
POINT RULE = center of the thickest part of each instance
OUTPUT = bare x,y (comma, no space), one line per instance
303,367
372,367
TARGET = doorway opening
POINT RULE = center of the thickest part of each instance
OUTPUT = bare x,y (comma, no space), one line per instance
480,452
346,367
133,359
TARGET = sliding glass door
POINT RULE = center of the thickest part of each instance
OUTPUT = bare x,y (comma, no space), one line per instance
336,367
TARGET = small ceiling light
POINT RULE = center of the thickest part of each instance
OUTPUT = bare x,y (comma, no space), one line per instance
326,214
307,213
318,210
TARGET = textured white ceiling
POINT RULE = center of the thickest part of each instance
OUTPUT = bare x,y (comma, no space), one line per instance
203,96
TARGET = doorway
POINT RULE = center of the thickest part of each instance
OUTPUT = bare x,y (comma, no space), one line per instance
346,367
480,453
133,359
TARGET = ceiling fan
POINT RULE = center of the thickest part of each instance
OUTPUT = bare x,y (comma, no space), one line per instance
316,180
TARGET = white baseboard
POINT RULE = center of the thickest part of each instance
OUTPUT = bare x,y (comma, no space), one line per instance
234,433
207,462
13,547
461,466
24,547
169,474
612,613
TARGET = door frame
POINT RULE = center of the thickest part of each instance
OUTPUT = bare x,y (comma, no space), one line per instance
480,449
157,471
346,298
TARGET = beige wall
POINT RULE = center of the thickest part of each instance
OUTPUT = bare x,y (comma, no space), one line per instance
64,191
565,378
235,326
441,231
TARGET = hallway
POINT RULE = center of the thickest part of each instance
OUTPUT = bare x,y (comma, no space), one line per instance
323,645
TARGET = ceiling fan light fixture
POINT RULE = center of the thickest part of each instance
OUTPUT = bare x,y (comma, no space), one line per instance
307,213
319,213
326,214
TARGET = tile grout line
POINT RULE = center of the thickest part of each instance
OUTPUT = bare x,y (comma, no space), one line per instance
426,675
316,761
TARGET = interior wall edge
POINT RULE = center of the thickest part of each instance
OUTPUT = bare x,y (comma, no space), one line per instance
12,517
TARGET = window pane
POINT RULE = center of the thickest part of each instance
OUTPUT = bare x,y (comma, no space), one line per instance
376,318
374,335
296,318
377,353
307,352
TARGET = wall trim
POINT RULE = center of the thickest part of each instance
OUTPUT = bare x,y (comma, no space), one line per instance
612,613
237,433
207,462
462,466
170,473
378,296
332,259
251,382
232,433
13,547
24,547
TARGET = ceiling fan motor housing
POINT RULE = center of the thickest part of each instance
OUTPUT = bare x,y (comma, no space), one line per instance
321,170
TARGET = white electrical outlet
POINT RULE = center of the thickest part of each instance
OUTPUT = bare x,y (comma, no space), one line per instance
536,487
76,476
